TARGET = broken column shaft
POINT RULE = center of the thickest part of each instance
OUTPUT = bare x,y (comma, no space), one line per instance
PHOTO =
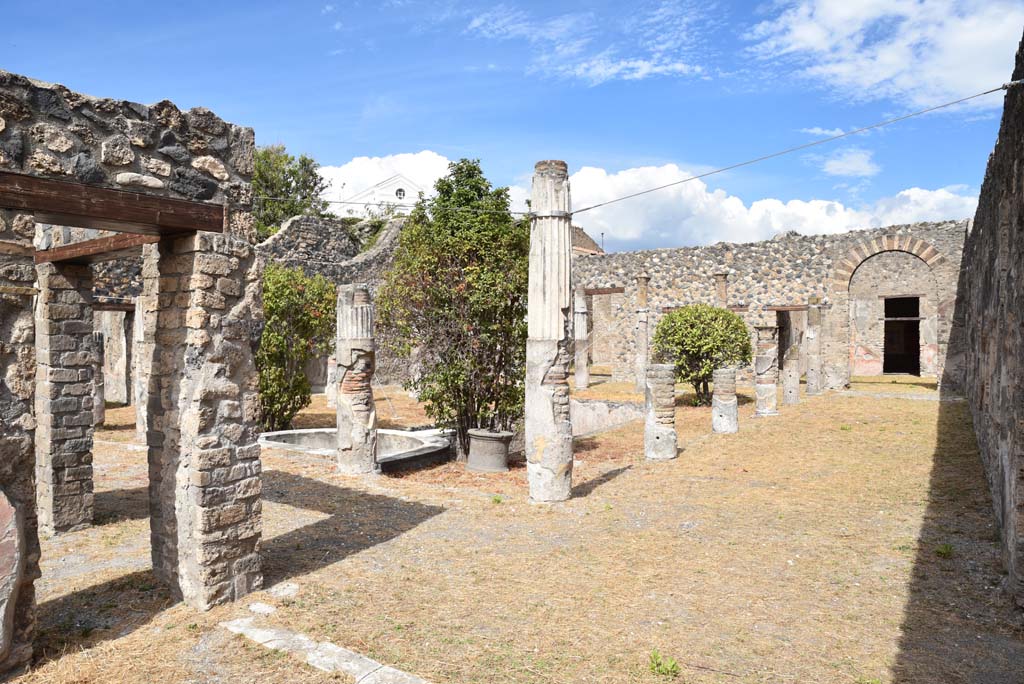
724,406
581,339
660,441
548,430
356,362
766,371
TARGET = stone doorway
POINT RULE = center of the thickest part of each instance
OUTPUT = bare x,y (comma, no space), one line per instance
902,336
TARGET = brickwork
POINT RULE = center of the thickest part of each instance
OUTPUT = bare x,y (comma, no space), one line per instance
355,354
788,270
66,360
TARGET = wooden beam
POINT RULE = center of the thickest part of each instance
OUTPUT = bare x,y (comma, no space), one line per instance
100,249
113,306
16,249
64,203
787,307
604,290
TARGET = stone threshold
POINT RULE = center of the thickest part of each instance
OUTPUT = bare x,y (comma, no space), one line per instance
322,655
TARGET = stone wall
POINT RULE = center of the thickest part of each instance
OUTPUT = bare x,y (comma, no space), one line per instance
310,241
784,271
991,308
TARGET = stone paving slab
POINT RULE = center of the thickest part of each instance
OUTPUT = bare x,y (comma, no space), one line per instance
323,656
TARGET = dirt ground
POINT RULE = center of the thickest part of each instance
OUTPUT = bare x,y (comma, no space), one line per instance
849,539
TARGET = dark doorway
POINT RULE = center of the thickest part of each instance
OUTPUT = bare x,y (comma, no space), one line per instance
902,352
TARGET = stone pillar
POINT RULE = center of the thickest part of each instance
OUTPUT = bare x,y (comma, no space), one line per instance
721,289
642,339
812,340
129,358
660,441
355,355
65,366
19,539
201,298
548,428
142,355
766,371
331,391
725,415
791,375
582,339
99,382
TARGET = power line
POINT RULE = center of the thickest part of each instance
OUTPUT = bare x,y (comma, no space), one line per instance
388,205
1005,86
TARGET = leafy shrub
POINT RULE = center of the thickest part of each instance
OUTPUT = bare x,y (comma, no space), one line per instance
455,301
299,314
699,338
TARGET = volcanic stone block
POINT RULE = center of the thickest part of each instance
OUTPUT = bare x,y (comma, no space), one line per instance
660,440
724,406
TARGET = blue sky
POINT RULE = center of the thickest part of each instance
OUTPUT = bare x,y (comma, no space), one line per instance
629,94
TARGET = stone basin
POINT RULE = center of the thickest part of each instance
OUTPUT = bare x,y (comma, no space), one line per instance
395,448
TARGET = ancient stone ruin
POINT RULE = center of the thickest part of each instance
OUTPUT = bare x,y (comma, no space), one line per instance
355,355
660,440
724,405
129,178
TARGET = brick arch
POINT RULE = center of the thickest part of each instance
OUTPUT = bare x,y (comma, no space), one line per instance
865,249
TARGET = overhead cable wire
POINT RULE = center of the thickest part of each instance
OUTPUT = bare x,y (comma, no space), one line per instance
1005,86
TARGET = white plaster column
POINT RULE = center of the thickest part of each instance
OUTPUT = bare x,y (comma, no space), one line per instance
766,371
812,340
548,426
660,440
642,332
582,339
724,405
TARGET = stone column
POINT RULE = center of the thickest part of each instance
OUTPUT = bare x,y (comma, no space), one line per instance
791,375
766,371
725,415
642,339
99,382
548,428
65,366
19,539
142,355
331,390
355,356
582,339
660,441
812,340
202,298
129,358
722,289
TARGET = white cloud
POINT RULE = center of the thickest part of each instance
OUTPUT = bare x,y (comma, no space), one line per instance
851,162
692,214
657,39
337,26
327,9
423,168
918,52
823,132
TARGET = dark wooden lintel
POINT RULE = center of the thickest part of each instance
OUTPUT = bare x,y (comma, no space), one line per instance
604,290
787,307
64,203
100,249
113,306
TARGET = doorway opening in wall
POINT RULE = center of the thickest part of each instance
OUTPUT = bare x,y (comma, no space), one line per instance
902,346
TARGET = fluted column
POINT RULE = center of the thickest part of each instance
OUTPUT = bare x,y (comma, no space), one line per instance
766,371
581,338
356,362
548,429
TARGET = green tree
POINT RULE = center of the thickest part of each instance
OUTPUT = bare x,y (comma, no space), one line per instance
285,187
699,338
300,313
455,302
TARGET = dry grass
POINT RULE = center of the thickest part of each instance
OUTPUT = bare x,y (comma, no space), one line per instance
802,549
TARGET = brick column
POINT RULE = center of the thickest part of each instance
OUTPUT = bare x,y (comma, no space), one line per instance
766,371
721,289
812,340
202,296
724,406
65,369
660,440
19,539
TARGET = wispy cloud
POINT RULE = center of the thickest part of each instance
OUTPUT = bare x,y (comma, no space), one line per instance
657,40
327,9
822,132
851,162
918,52
337,26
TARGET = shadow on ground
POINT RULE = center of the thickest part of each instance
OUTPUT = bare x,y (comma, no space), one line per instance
115,505
958,626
